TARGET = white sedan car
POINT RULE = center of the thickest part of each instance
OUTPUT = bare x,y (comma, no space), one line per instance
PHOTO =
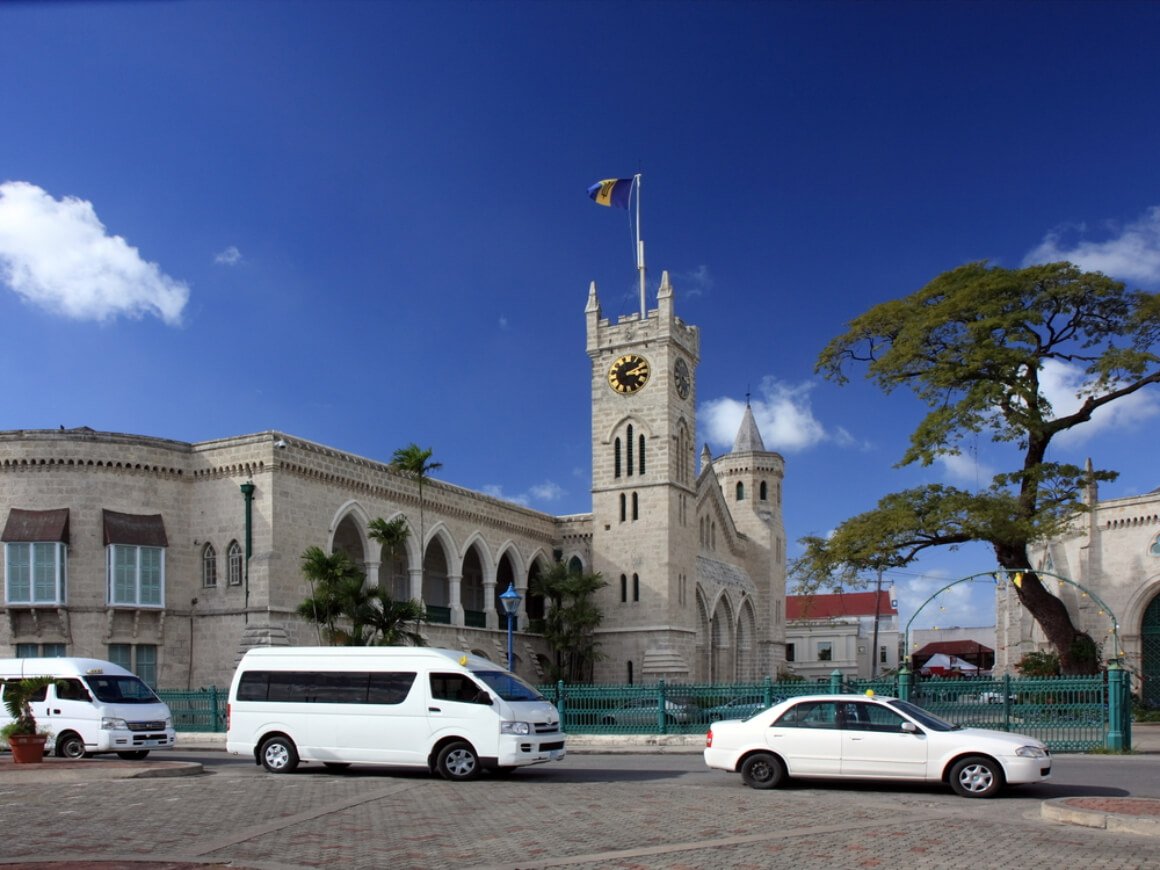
869,737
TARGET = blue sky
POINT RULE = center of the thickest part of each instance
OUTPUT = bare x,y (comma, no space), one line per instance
365,223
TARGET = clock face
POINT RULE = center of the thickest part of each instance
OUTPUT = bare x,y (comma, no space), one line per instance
681,378
628,374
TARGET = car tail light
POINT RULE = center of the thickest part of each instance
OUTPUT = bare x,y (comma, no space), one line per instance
709,738
227,716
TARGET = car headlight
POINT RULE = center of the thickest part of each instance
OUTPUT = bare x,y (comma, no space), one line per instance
108,723
515,728
1030,752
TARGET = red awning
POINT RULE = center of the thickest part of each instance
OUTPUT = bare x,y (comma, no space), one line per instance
25,526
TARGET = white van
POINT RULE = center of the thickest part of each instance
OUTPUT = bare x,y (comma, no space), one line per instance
93,707
448,711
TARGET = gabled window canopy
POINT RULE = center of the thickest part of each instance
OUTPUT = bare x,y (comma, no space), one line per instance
134,530
43,527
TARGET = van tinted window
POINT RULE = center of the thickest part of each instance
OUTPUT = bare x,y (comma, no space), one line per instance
113,689
326,687
71,690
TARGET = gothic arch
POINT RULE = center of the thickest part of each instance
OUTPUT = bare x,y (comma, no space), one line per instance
721,640
746,659
342,534
701,645
640,427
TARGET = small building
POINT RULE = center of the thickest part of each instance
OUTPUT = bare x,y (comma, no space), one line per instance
855,633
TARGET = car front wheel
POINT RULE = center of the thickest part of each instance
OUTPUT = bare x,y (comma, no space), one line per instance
762,770
977,776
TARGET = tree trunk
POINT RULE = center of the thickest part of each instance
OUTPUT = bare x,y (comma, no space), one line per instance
1077,651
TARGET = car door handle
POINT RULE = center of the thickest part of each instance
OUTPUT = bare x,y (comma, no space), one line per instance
434,709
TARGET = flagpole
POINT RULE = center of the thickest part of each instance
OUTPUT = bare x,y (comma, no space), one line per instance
639,247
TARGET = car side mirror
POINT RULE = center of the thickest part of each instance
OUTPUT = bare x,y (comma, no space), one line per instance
909,727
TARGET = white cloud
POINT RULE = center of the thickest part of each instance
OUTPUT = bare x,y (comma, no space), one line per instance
694,283
1062,385
58,255
1132,254
231,256
967,469
964,604
503,322
540,493
783,413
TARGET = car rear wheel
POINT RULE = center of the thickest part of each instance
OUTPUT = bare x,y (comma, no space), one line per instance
279,755
70,745
763,770
977,776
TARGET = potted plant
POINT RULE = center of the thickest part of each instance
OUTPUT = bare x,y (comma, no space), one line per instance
21,734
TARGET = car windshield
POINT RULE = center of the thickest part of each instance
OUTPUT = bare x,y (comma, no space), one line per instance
508,686
931,721
120,690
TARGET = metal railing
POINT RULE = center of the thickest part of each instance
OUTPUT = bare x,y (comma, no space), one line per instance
1069,714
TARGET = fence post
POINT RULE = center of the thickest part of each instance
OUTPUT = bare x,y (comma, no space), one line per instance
560,703
1007,701
1115,707
215,721
767,691
904,679
662,717
835,682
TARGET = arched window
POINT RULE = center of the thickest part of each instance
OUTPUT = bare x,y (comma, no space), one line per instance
763,493
635,587
642,454
575,566
740,491
1155,551
635,507
623,588
234,557
622,507
628,450
616,458
209,567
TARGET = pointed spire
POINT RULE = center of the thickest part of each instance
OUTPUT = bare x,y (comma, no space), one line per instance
748,438
706,457
666,288
593,302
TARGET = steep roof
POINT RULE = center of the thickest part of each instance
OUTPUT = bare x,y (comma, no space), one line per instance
838,604
748,438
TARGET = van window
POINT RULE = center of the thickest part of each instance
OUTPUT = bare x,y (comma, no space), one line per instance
326,687
508,686
455,687
114,689
72,690
37,696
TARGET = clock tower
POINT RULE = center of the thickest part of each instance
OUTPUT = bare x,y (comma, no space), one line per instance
644,526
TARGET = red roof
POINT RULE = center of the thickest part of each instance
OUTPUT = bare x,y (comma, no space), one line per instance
969,650
838,604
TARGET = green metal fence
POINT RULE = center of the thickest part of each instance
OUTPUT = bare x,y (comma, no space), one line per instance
202,710
1069,714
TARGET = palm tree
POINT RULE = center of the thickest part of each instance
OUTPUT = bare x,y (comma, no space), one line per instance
572,620
331,576
392,536
349,613
415,462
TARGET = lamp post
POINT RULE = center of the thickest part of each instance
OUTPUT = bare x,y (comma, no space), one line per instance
511,605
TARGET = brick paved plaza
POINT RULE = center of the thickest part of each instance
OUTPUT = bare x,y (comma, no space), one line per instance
561,815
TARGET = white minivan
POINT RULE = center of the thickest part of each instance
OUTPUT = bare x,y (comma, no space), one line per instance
93,707
451,712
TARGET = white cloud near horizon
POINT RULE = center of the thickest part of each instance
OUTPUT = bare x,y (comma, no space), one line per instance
231,256
540,493
1062,384
784,416
1131,254
58,256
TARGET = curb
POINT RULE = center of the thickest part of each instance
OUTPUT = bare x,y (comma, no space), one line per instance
1119,815
54,770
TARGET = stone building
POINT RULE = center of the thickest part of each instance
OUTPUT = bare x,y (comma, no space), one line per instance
1107,571
173,558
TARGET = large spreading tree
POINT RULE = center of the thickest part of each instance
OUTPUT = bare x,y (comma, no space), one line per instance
972,344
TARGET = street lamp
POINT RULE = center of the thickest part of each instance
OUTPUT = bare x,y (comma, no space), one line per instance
511,605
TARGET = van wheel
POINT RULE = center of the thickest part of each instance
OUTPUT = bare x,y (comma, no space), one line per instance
279,755
134,755
70,745
458,761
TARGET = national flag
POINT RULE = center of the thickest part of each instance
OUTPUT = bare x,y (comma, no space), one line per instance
612,192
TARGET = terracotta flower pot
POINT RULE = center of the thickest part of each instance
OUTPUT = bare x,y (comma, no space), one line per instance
27,748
